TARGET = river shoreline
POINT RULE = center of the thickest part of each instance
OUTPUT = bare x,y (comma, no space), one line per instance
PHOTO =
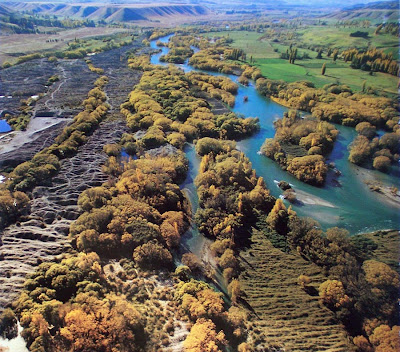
383,191
309,199
15,139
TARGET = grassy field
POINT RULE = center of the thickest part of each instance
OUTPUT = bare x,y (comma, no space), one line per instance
249,42
340,38
266,54
336,72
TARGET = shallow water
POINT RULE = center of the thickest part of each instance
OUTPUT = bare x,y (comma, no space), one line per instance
193,241
4,126
357,208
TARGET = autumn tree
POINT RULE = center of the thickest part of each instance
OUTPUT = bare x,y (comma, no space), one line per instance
12,206
360,150
183,272
332,294
210,145
278,216
380,275
386,339
203,337
362,344
335,55
366,129
303,281
244,347
8,324
193,262
382,163
235,290
94,197
112,324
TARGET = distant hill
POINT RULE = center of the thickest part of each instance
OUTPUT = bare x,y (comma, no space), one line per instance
111,13
4,11
382,11
5,26
318,4
377,5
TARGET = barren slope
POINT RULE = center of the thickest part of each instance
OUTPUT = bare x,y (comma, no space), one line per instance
25,245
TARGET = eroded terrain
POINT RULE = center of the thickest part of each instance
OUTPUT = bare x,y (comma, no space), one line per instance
44,234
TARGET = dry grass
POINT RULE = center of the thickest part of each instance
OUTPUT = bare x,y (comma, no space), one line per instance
388,247
285,314
22,44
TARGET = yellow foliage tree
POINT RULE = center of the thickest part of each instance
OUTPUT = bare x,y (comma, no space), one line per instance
380,274
332,294
386,339
203,337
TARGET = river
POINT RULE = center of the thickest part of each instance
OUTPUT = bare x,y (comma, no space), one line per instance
4,126
349,204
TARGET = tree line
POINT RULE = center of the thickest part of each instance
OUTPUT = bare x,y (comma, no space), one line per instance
373,60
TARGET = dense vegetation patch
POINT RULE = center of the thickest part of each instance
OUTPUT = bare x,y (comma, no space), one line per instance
368,149
167,101
300,145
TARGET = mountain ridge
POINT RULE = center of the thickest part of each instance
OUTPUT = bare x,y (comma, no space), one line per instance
112,12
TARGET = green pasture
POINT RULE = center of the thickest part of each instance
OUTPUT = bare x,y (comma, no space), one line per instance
267,52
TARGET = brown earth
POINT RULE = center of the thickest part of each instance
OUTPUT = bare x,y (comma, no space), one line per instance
19,146
30,79
61,101
50,113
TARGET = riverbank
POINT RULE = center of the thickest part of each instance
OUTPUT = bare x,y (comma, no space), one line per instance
309,199
16,139
17,147
16,344
387,193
